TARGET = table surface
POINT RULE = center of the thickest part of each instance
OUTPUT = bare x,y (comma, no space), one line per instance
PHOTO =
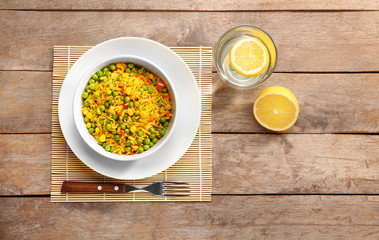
318,180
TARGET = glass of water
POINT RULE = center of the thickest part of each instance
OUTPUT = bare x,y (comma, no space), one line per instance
222,61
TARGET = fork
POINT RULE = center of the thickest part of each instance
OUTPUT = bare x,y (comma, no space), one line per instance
162,188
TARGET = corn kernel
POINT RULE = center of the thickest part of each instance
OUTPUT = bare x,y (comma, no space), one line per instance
168,107
130,111
143,114
88,125
102,138
89,115
97,130
133,129
128,90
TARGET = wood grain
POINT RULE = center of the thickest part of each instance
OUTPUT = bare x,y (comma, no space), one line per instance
26,101
344,41
226,217
329,103
25,164
242,164
194,5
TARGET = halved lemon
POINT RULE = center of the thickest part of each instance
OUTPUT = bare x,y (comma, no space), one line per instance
249,57
276,108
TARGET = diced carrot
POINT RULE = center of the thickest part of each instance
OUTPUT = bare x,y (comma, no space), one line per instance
160,86
167,96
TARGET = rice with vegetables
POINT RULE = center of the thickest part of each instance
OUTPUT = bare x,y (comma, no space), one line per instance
126,108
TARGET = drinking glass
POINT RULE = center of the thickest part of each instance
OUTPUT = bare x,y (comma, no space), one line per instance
222,61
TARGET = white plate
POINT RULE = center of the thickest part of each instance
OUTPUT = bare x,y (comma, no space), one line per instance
187,120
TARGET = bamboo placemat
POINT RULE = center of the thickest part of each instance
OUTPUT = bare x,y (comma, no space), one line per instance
195,167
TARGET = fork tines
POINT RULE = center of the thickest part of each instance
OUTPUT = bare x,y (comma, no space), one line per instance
170,188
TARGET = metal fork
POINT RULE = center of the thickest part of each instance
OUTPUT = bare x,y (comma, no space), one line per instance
163,188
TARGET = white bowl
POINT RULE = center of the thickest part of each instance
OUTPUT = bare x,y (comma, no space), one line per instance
78,103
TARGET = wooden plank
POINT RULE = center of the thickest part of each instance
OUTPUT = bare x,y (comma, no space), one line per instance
195,5
307,41
329,103
242,164
295,163
26,101
25,164
226,217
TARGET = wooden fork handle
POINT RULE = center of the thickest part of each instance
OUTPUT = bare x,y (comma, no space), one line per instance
71,186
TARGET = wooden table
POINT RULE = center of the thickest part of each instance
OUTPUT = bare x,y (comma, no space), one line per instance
319,180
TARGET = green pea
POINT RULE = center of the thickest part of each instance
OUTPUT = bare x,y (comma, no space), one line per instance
115,94
114,132
139,140
86,119
140,71
92,86
162,132
136,103
106,105
95,77
85,95
132,134
119,122
150,90
147,141
144,87
95,111
99,73
107,148
140,90
93,125
127,70
86,104
127,131
112,149
112,67
109,92
151,144
109,126
152,130
101,122
102,78
166,124
152,136
116,137
154,83
91,81
122,98
114,116
164,90
128,149
140,133
130,65
163,119
134,71
105,69
111,101
119,78
155,140
126,117
100,143
102,108
96,94
91,130
127,126
104,144
136,113
87,87
146,147
122,126
109,121
127,99
134,119
140,150
108,73
128,143
131,104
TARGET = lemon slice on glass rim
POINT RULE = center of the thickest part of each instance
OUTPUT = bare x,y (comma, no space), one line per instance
276,108
249,57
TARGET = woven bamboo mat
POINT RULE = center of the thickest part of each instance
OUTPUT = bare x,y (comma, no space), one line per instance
195,167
